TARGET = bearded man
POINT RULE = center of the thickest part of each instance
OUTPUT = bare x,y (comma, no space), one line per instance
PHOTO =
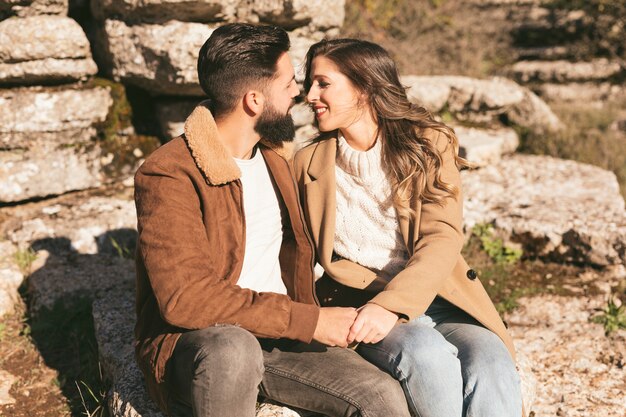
226,309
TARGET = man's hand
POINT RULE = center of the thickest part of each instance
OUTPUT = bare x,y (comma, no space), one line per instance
333,325
372,324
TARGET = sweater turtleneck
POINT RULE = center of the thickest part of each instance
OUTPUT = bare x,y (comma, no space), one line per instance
366,229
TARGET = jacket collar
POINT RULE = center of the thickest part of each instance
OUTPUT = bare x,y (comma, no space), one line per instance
209,152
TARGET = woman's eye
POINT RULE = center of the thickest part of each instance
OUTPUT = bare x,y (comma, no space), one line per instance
323,84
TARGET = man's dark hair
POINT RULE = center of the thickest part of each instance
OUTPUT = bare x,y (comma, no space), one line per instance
236,57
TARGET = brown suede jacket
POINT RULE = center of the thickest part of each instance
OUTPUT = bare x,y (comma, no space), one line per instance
191,247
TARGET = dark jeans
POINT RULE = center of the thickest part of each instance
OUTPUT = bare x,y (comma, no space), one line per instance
219,372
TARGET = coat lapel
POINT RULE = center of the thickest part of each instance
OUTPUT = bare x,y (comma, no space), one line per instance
321,197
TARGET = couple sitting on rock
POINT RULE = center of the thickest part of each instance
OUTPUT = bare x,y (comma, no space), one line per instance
228,308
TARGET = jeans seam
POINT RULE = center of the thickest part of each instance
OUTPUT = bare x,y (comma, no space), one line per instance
395,361
317,386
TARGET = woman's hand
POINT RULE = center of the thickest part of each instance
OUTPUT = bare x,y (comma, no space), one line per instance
372,324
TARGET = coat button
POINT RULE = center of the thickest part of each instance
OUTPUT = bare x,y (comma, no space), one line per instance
471,274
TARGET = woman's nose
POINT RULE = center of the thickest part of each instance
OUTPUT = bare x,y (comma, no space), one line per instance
312,95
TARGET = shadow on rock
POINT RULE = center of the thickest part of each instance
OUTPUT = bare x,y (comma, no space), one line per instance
60,294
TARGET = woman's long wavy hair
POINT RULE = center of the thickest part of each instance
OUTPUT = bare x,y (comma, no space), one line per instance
409,156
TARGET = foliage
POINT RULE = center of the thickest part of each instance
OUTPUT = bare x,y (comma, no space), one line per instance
612,317
122,250
24,259
605,27
494,246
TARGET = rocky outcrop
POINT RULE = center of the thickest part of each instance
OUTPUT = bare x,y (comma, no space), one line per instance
482,101
43,49
46,136
559,210
483,147
561,71
10,277
162,59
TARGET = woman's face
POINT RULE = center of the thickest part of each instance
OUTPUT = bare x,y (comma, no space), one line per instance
334,99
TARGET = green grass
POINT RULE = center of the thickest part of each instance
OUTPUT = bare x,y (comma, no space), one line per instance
612,317
24,259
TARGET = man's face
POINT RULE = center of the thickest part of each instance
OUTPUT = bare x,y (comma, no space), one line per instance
275,123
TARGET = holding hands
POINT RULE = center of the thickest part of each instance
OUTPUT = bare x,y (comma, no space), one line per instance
341,326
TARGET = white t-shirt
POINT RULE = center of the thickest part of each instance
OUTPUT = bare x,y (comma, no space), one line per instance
264,231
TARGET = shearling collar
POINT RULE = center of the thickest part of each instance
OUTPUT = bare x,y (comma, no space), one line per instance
208,151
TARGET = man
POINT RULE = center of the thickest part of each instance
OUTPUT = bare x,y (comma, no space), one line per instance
225,290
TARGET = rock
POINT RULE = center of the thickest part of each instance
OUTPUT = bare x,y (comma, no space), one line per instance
482,101
25,8
10,279
301,41
532,26
114,320
172,113
290,14
6,382
163,58
302,115
25,114
40,49
564,71
47,141
317,14
586,92
156,11
304,135
552,208
485,146
543,53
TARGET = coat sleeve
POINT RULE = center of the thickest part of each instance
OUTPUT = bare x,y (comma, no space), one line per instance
174,247
436,250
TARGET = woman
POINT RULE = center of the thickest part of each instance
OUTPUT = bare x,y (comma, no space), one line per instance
380,188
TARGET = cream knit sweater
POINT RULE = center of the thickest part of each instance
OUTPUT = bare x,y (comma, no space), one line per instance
366,230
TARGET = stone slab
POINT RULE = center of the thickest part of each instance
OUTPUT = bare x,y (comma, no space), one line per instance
45,48
483,147
560,210
482,101
10,278
562,71
24,8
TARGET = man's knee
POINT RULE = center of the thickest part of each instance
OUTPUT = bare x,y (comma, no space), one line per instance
230,350
383,397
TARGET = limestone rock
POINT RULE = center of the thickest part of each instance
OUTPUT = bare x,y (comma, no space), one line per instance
317,14
584,92
564,71
302,115
10,278
84,245
304,135
164,10
482,101
43,49
555,209
47,140
25,8
485,146
163,58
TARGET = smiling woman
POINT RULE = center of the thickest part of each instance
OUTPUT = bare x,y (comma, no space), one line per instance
380,188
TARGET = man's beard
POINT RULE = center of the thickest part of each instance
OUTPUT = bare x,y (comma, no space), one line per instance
275,127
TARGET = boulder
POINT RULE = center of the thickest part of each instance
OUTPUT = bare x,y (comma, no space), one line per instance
290,14
25,8
562,71
584,92
114,320
482,101
559,210
483,147
43,49
47,141
162,59
155,11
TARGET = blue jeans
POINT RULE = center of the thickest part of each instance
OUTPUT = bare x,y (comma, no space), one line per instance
449,365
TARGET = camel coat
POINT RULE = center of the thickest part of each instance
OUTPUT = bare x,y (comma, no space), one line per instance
433,238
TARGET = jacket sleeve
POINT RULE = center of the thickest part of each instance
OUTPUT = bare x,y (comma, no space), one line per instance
177,254
436,250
